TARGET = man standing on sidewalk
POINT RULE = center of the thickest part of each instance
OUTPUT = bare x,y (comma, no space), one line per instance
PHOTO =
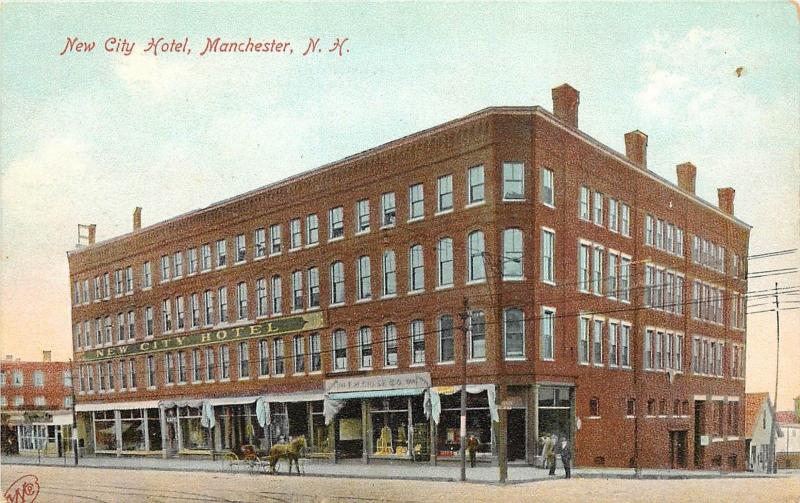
550,454
566,457
472,449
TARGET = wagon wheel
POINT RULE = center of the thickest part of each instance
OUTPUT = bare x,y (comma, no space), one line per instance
229,461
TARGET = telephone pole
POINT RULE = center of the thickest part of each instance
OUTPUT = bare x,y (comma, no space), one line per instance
777,366
465,331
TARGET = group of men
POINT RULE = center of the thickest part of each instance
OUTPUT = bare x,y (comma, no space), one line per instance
550,444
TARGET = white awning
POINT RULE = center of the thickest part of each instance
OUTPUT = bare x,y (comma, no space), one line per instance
232,400
89,407
310,396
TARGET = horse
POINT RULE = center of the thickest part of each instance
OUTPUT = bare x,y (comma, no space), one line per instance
290,451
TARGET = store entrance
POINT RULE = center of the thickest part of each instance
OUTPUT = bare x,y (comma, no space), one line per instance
350,441
516,434
677,448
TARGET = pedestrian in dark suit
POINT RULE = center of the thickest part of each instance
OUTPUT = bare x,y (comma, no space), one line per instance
472,449
566,457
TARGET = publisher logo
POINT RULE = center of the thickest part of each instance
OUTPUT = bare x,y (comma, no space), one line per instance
23,490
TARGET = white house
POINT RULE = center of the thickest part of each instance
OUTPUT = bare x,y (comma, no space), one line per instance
761,430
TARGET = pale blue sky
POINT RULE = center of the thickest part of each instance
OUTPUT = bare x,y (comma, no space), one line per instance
85,138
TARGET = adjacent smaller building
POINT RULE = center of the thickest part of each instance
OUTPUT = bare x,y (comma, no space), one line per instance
762,429
36,403
787,450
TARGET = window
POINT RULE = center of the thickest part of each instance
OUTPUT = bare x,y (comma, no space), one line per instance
547,334
598,208
390,345
336,223
548,247
241,300
263,357
166,315
546,190
514,330
244,360
585,212
389,273
416,269
97,291
417,342
295,234
241,247
362,216
316,352
475,186
180,313
120,327
444,190
313,287
299,354
274,239
194,264
444,252
365,347
594,407
119,279
224,362
339,350
583,340
177,263
169,368
613,222
222,299
678,352
625,279
210,364
388,209
259,243
446,342
205,255
197,366
132,373
513,181
297,291
337,283
597,271
649,335
107,282
416,202
583,267
17,378
148,321
312,229
194,308
364,278
475,252
222,253
613,334
182,368
38,379
208,302
512,254
611,279
477,333
630,407
39,401
277,299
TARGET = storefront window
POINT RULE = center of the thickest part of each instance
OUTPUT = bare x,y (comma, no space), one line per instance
280,423
194,435
132,430
153,429
32,437
105,436
390,432
554,412
237,425
479,423
322,436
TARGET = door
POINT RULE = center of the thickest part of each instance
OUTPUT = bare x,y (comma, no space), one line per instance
698,429
515,434
677,449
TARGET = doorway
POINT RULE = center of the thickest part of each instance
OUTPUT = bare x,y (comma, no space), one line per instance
677,449
699,418
515,434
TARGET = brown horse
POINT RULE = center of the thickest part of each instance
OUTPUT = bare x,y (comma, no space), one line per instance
290,451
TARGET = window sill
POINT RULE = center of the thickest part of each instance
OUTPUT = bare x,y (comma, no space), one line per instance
548,359
475,282
338,371
246,378
311,245
295,249
364,368
241,262
443,287
514,279
548,282
592,417
515,358
475,204
446,363
298,374
387,227
184,383
362,232
476,360
333,306
515,200
226,379
197,382
259,257
548,205
364,300
416,292
220,267
443,212
150,388
389,367
415,219
169,384
210,381
264,377
413,365
338,238
274,254
132,390
191,273
312,308
389,296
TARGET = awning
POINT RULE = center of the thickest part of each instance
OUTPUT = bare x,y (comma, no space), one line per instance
311,396
62,419
90,407
350,395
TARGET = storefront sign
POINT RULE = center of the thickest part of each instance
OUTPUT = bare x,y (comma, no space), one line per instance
375,383
37,417
278,326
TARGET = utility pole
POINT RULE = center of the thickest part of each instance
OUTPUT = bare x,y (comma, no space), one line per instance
465,331
74,415
777,366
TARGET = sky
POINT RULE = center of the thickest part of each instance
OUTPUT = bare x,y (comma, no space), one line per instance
87,136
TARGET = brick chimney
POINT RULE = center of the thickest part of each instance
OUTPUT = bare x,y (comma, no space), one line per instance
137,218
565,104
636,148
47,356
687,173
725,197
92,233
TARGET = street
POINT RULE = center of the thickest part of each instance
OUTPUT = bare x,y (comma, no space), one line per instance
66,484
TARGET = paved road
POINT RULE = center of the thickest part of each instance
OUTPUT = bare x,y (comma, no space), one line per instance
58,484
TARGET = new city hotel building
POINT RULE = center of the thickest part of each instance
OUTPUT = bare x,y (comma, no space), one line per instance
604,304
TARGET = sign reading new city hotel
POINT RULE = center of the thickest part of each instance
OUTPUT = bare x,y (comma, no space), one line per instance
278,326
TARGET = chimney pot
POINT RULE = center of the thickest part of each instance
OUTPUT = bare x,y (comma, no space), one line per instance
47,356
687,173
636,148
137,218
565,104
92,233
725,197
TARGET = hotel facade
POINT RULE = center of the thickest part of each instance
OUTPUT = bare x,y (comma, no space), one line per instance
599,302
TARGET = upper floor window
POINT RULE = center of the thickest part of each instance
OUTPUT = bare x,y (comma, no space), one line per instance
416,269
208,302
365,347
445,255
278,365
241,247
417,342
313,287
389,345
625,220
205,254
165,272
598,208
147,275
477,335
261,297
547,190
312,229
389,273
259,242
475,253
274,239
364,278
513,181
297,290
444,190
514,333
512,254
388,209
336,223
416,202
339,350
547,334
241,300
277,295
222,253
222,299
177,262
194,264
337,283
583,267
295,234
166,315
362,216
613,215
475,185
585,212
446,341
548,246
17,379
38,378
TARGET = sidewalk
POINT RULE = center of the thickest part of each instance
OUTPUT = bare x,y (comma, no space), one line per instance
444,471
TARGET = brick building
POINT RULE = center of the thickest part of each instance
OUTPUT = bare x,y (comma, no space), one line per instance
605,305
36,401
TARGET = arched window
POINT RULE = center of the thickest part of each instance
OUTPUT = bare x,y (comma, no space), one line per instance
512,254
339,345
475,251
